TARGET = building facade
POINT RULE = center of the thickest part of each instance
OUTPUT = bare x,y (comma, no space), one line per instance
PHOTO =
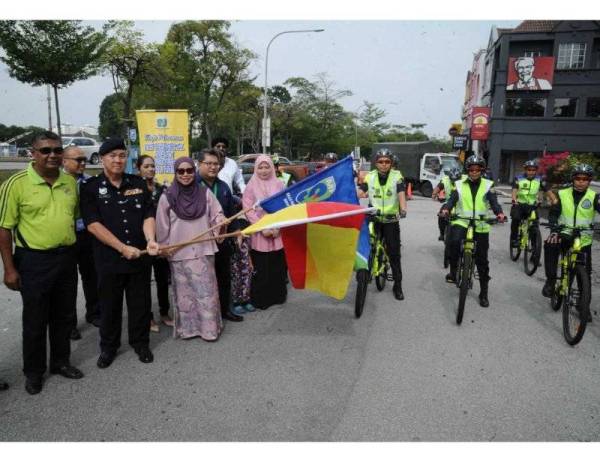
542,83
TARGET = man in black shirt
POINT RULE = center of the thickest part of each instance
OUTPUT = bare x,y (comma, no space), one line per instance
209,165
118,211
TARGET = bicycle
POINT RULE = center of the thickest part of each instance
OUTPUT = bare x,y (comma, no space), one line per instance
378,269
530,243
466,264
575,300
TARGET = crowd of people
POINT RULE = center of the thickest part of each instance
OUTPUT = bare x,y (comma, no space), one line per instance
117,228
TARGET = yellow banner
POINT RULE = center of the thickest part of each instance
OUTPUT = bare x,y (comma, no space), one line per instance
164,135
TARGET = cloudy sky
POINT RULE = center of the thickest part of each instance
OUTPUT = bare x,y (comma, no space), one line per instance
415,70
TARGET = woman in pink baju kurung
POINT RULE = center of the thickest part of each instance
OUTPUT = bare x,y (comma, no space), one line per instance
186,210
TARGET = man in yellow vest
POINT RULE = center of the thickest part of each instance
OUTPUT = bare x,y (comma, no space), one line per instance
385,189
284,177
473,197
446,184
576,207
525,193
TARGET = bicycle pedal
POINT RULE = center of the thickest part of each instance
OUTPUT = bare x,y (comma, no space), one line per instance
476,275
390,277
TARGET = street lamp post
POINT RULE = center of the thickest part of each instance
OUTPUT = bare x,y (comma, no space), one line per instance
267,129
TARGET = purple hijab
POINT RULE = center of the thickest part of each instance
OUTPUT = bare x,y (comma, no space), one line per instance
188,202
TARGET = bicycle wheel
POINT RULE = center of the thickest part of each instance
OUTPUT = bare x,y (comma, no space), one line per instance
381,276
576,305
362,282
515,252
465,279
533,251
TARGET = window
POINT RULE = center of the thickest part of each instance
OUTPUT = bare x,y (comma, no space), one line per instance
571,56
532,53
593,107
565,107
87,142
432,163
525,107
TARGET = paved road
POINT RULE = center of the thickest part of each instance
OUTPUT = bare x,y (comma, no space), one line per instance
310,371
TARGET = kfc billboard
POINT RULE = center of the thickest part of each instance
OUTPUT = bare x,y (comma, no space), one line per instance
530,74
480,119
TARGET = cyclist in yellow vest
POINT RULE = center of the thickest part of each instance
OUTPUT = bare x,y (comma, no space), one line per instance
525,195
446,184
473,197
576,206
385,189
284,177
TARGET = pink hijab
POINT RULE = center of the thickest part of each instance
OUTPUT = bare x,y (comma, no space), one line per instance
262,189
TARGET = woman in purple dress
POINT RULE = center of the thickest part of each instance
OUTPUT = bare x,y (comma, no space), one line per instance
186,210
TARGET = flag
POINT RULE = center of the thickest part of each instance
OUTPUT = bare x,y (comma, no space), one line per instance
333,184
320,243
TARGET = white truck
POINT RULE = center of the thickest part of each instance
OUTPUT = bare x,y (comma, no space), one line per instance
420,164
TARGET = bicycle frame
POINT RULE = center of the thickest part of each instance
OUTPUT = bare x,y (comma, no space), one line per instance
524,227
376,247
567,261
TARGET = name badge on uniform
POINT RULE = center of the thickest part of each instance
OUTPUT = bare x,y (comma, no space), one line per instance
133,192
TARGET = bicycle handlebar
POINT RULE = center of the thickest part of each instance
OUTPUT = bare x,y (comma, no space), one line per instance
482,218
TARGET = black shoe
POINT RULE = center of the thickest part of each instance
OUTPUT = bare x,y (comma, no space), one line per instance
67,372
232,317
34,385
483,300
441,237
450,278
75,334
145,355
3,385
548,289
105,359
94,321
398,294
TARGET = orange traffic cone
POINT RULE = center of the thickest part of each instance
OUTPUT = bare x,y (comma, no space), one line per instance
409,191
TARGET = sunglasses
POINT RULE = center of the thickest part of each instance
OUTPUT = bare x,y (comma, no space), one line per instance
187,171
582,179
48,150
80,160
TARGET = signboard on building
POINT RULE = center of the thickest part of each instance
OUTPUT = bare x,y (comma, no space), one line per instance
480,123
530,73
460,142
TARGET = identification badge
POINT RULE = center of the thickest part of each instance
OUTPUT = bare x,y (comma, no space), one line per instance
133,192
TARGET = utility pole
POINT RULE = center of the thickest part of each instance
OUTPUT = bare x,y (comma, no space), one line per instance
49,108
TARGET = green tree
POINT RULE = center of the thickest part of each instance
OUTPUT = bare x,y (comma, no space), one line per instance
130,62
53,52
111,116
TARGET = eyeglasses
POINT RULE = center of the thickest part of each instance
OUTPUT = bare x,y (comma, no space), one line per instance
48,150
384,161
187,171
582,179
211,164
80,160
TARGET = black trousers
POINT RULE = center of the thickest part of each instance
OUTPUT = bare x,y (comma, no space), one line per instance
391,242
89,278
482,244
223,271
134,286
49,292
518,212
161,276
552,254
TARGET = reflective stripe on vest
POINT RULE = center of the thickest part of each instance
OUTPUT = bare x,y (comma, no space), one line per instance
467,208
580,217
385,198
528,190
284,177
